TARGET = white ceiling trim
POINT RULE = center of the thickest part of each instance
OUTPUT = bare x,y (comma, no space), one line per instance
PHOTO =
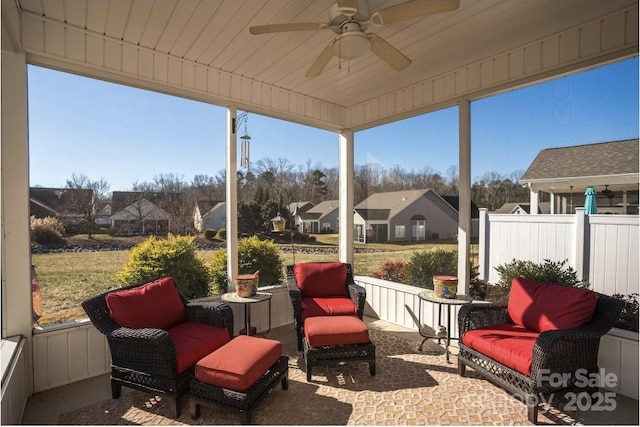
76,50
619,182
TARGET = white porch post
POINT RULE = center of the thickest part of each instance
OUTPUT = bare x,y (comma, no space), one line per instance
483,244
464,191
232,197
14,198
533,201
581,249
345,245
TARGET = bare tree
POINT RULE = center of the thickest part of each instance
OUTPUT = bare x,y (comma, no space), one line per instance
84,195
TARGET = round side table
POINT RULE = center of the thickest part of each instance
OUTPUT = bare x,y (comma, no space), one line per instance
444,331
247,302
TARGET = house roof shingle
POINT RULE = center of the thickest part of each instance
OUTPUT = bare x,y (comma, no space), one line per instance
606,158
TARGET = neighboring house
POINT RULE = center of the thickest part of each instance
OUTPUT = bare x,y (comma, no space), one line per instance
209,214
611,168
410,215
321,218
296,209
69,205
523,208
140,217
103,212
174,204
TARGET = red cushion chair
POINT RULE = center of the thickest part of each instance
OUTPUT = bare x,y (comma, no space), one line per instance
156,336
543,331
323,289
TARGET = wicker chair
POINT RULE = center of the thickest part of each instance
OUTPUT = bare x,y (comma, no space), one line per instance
145,359
357,294
562,351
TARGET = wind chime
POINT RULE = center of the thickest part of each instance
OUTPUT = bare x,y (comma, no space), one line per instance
245,143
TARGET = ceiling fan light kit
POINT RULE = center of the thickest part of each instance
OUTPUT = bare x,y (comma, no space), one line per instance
351,45
350,20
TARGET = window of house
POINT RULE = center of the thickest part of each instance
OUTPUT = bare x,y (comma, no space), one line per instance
418,229
399,232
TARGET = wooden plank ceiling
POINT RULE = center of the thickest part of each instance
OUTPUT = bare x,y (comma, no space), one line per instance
216,34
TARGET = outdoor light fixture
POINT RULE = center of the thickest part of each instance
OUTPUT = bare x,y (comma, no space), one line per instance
278,223
352,43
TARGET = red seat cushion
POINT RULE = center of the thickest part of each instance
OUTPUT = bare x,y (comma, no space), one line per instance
509,344
154,305
336,306
193,341
240,363
321,279
335,330
544,307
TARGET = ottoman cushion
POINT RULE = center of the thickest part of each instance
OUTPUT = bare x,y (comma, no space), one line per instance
238,364
335,330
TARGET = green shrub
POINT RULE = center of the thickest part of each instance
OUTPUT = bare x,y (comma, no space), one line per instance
46,230
221,234
392,271
422,266
174,256
629,316
545,272
253,254
210,234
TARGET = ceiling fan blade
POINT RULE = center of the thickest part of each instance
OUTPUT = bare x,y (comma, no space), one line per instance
280,28
321,61
348,7
412,9
389,54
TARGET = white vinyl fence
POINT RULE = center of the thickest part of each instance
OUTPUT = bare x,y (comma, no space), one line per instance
603,249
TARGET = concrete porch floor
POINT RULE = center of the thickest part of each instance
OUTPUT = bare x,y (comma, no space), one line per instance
46,407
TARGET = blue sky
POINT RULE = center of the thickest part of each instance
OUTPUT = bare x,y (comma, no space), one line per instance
125,135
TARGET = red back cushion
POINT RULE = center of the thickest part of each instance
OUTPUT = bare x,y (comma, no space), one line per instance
154,305
320,279
543,307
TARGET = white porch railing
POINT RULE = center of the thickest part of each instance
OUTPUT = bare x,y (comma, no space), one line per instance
77,351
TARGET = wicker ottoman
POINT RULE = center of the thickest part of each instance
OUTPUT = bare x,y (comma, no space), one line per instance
330,339
238,375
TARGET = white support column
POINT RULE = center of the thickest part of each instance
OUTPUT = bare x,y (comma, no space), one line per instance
483,244
464,194
552,203
533,201
232,197
581,249
345,246
14,202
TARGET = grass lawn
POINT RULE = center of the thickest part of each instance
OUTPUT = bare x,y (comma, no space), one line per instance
66,279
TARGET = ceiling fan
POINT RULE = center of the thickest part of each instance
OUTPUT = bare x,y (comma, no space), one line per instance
608,194
350,19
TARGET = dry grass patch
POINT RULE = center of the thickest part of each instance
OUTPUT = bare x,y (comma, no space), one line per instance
67,279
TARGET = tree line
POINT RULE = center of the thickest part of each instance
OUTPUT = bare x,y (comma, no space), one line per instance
282,182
